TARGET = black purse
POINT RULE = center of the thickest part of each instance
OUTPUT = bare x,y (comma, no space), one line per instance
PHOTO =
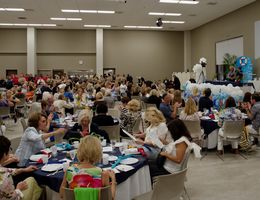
160,160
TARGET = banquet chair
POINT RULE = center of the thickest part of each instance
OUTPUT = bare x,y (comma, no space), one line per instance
195,130
232,131
148,105
105,194
23,122
170,187
113,131
138,126
15,143
5,113
114,112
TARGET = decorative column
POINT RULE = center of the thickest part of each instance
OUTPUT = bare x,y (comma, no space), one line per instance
99,51
31,51
187,51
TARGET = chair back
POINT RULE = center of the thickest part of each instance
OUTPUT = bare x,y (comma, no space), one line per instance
15,142
21,104
105,194
194,128
4,111
233,129
148,105
114,112
113,131
185,160
23,122
170,186
138,126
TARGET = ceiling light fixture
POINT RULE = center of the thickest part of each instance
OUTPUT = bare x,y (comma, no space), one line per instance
180,1
97,26
173,22
12,9
64,19
12,24
164,14
89,11
144,27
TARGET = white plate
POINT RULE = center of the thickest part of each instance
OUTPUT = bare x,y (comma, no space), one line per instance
132,151
36,157
112,158
52,167
119,144
129,161
124,168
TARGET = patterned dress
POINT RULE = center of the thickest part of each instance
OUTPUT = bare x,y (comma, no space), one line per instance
7,189
84,177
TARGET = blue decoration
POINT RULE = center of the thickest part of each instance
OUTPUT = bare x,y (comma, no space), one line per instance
245,63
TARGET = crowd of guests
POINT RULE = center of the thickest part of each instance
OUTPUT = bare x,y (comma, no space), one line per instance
162,125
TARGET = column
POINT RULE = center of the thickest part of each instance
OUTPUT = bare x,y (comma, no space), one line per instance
99,51
187,51
31,51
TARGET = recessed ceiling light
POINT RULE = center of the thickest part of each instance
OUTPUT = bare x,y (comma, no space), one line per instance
22,18
173,22
69,10
164,14
144,27
64,19
89,11
17,24
12,9
97,26
179,1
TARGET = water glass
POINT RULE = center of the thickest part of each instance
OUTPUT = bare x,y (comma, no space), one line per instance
72,154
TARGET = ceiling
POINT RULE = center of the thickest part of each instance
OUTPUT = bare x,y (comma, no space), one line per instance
128,12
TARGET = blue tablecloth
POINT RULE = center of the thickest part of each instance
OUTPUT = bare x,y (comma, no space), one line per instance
230,82
54,181
208,126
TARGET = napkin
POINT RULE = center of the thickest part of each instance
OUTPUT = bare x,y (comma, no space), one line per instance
124,168
120,158
108,168
107,149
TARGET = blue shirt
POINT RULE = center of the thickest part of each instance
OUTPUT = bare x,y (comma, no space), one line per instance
166,110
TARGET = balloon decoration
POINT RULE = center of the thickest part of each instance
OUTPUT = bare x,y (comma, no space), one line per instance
245,63
220,93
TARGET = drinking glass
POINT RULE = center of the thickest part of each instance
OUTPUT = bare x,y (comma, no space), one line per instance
72,154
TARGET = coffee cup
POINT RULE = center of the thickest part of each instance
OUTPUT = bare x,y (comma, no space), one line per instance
105,159
45,159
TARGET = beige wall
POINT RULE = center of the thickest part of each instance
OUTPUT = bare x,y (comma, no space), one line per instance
12,50
63,49
238,23
151,54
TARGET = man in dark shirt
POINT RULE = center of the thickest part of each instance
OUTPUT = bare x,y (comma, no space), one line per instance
205,101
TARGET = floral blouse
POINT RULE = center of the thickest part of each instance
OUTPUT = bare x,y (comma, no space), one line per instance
231,114
7,189
84,177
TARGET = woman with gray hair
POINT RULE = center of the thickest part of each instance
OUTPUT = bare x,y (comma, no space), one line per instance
85,127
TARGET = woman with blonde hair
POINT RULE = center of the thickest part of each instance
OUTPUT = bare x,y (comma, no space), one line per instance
177,98
129,118
85,173
190,111
156,135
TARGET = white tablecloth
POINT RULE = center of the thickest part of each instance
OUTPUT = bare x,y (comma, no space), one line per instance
135,185
256,84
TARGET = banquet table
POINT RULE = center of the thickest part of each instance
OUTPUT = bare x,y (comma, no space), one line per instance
211,132
130,184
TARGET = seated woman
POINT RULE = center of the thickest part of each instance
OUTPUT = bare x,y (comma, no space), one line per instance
7,188
101,118
60,104
205,101
229,113
231,76
190,111
85,127
156,134
129,119
175,151
85,173
33,138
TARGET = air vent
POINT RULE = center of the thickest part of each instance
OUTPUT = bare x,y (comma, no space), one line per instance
22,18
212,3
59,25
193,15
119,12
